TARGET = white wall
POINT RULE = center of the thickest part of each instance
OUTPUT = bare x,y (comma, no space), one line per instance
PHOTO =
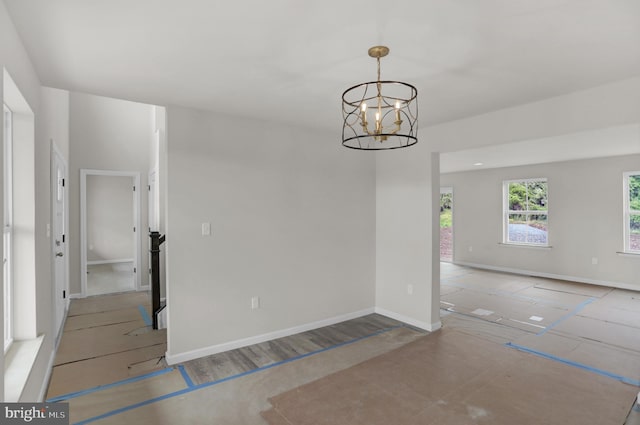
406,274
293,221
106,134
14,59
109,218
54,118
585,220
232,163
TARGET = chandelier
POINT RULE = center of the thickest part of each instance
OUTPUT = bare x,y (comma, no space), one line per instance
393,122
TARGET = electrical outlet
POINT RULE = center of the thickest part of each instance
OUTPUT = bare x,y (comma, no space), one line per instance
470,248
410,289
255,303
206,229
594,260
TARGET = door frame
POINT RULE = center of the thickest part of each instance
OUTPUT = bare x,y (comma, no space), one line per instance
152,207
83,223
59,316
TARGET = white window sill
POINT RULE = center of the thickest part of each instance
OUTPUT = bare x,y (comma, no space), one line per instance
18,363
519,245
629,254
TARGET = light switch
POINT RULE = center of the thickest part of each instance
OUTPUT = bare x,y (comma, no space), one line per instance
206,229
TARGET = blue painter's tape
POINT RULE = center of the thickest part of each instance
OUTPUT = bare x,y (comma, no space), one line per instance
567,316
134,406
185,376
229,378
104,387
145,315
601,372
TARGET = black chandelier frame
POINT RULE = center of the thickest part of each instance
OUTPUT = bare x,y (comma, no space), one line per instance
353,134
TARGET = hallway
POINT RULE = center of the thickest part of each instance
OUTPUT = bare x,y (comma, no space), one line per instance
106,339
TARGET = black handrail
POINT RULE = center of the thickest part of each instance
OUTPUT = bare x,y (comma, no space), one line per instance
156,241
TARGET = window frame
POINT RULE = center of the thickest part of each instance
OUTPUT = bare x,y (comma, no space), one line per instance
628,212
506,212
8,273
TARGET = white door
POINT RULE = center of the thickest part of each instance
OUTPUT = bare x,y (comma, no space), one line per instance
60,262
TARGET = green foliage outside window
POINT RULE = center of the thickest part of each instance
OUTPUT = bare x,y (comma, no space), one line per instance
446,200
634,202
530,196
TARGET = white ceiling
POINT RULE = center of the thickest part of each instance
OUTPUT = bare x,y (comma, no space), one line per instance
290,60
613,141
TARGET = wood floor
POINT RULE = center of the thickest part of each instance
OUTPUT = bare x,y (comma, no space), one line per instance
223,365
110,366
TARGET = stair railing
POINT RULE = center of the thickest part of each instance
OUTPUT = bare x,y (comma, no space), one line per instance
156,241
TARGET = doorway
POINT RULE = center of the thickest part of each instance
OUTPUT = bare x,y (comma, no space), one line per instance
110,224
446,224
59,209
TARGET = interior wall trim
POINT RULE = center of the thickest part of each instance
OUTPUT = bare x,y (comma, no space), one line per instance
618,285
430,327
115,261
239,343
47,377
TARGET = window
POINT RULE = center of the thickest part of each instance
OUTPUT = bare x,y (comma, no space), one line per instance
8,228
525,212
632,212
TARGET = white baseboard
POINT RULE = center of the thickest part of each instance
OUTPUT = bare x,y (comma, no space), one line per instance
47,377
609,284
52,357
116,261
430,327
80,296
232,345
